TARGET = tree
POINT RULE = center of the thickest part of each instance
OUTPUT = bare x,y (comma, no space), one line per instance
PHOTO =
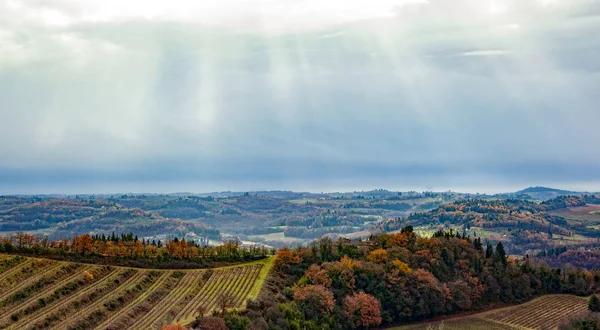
500,254
211,323
234,321
175,326
489,251
378,256
363,310
316,300
402,267
318,275
225,300
286,256
594,303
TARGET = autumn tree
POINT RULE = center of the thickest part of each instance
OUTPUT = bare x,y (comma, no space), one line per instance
317,275
286,256
211,323
403,267
363,310
315,300
378,256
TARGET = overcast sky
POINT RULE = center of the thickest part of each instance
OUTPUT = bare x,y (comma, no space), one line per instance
165,96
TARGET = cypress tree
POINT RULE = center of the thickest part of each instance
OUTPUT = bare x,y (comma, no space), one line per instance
500,253
489,251
594,304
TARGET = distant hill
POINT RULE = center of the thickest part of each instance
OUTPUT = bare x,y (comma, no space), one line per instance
545,193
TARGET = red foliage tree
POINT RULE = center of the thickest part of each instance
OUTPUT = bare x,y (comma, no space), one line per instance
318,275
316,297
363,310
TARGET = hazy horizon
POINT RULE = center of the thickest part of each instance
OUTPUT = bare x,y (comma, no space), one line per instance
470,190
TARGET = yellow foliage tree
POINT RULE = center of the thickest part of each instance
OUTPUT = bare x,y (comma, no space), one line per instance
402,266
378,256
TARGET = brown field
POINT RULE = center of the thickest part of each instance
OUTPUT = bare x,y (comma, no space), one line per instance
47,294
546,312
589,212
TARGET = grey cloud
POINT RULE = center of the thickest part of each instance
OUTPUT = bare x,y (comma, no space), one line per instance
164,103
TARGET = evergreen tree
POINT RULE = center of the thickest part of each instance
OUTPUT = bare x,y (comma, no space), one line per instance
489,251
500,253
594,304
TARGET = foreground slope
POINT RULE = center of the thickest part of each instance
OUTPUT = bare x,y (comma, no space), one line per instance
48,294
546,312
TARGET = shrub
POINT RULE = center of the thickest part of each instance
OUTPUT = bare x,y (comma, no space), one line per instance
88,275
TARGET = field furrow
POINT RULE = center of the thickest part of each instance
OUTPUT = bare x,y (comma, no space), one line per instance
226,287
76,273
230,288
111,320
50,315
106,296
190,309
249,284
191,291
12,267
35,310
212,292
153,319
6,294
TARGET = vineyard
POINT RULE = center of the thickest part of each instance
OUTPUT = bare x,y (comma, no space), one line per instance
546,312
48,294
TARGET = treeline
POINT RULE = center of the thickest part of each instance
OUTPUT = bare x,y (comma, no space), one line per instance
128,250
397,279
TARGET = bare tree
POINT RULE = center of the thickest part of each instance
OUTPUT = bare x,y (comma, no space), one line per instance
201,310
225,300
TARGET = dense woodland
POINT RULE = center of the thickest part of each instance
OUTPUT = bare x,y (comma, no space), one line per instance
396,279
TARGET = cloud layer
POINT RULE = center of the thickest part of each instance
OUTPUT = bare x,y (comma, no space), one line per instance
103,96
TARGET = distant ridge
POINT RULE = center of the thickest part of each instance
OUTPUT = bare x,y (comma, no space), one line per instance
544,193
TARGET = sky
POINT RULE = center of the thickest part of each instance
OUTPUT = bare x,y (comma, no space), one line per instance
104,96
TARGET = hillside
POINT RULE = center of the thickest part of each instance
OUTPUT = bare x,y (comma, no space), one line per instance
545,193
42,294
404,278
521,225
272,218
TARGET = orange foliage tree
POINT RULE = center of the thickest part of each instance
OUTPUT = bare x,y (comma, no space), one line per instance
286,256
363,310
